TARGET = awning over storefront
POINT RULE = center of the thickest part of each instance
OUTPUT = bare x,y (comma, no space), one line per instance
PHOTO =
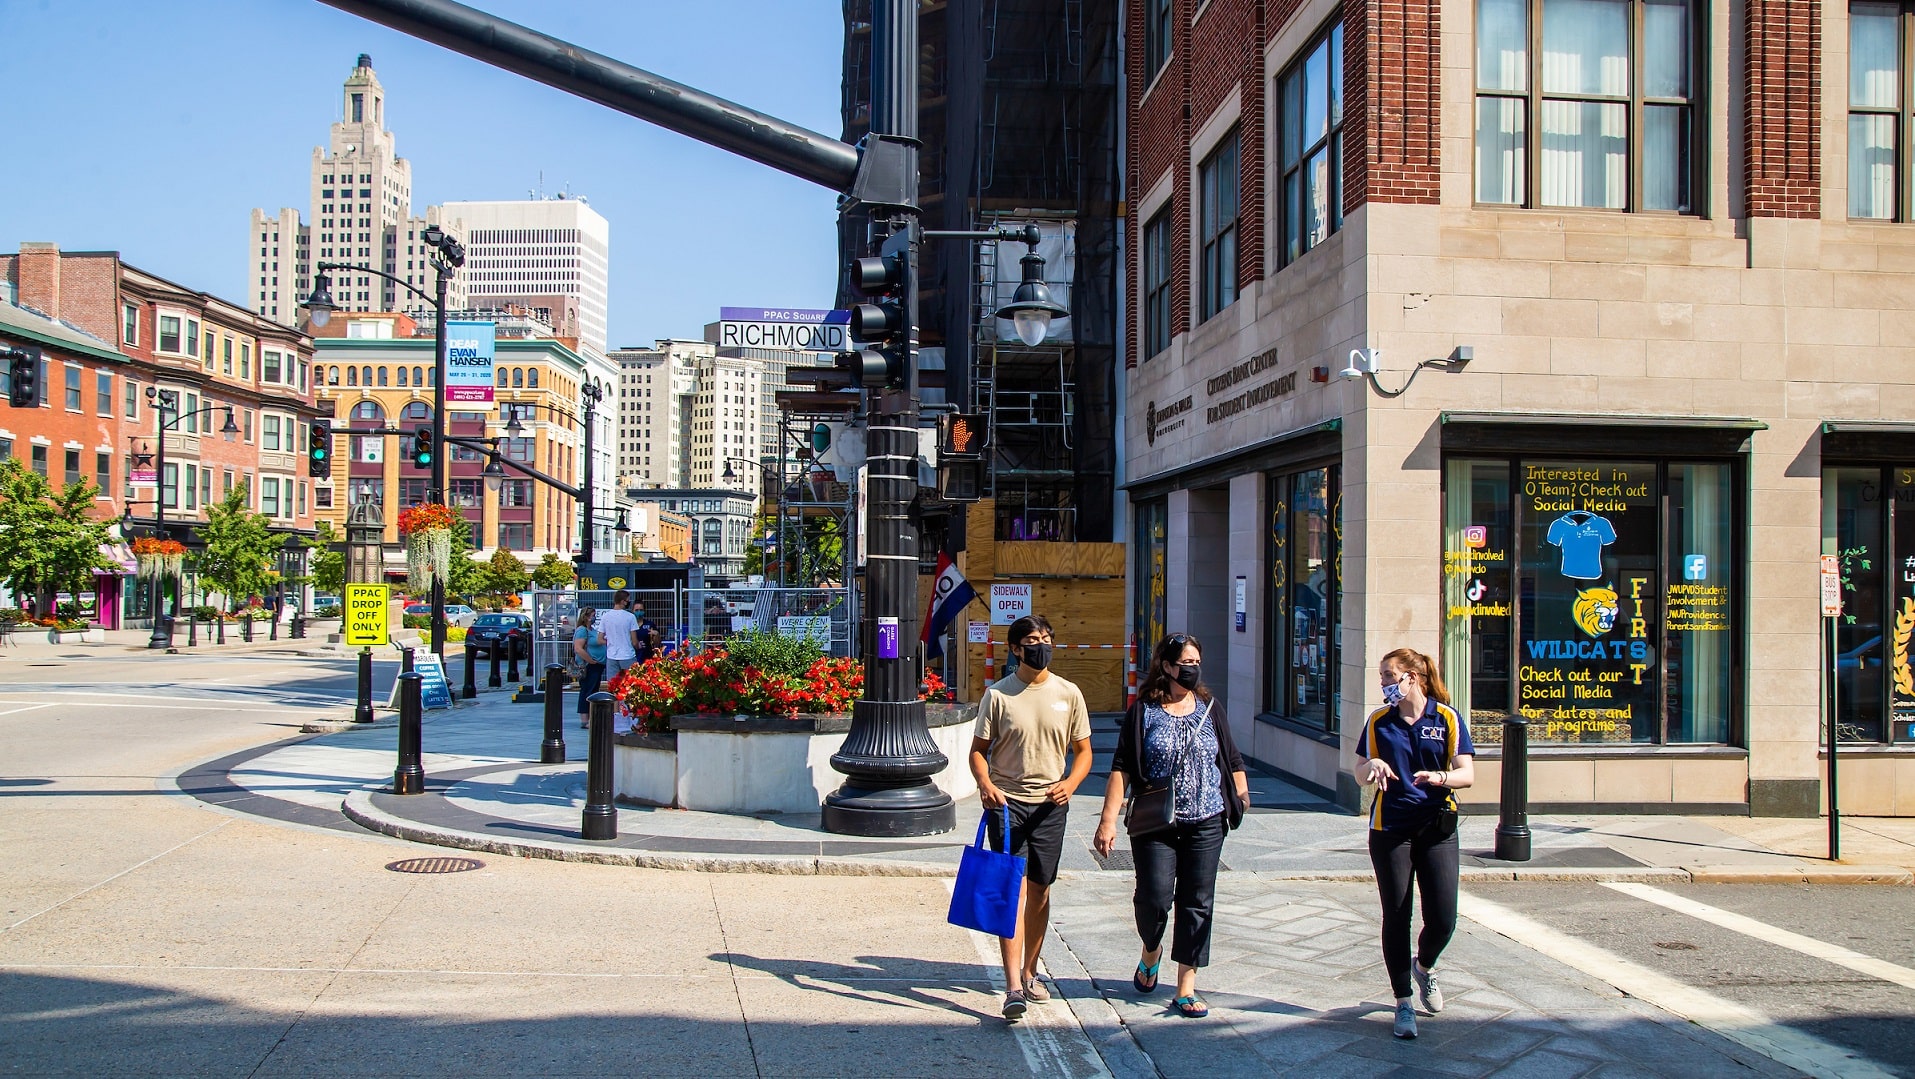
1543,432
1870,440
1315,440
121,556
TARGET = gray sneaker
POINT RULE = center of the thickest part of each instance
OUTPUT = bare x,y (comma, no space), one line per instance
1428,993
1405,1027
1014,1007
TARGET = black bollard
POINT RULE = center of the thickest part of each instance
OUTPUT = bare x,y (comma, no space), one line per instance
299,625
192,631
492,677
512,658
363,714
246,631
471,689
552,750
410,776
405,660
1512,829
601,816
222,627
272,628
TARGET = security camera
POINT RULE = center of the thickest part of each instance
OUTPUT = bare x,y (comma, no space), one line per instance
1361,362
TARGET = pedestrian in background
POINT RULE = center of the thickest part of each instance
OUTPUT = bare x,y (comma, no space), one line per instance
590,650
1417,752
1028,724
1176,734
619,630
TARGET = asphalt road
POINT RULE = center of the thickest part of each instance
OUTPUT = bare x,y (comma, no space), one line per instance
1753,964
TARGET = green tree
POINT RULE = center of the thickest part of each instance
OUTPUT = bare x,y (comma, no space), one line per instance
467,573
329,564
240,549
552,572
505,575
48,542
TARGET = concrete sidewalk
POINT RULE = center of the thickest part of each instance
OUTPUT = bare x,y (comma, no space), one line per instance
483,795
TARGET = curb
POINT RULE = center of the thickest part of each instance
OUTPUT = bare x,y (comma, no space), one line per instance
1807,874
359,809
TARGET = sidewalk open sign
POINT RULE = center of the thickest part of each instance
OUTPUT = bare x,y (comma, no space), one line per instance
366,621
1009,602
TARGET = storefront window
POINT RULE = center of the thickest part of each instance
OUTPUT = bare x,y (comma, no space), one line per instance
1305,596
1868,523
1572,596
1153,546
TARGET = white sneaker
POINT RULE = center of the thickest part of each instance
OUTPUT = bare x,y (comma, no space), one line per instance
1428,993
1405,1027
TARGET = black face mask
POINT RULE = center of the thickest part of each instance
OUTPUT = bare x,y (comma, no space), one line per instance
1189,674
1036,656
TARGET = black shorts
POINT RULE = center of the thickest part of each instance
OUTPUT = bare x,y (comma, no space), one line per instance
1037,833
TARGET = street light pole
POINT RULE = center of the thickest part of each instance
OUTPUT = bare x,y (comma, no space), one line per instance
439,442
162,630
590,394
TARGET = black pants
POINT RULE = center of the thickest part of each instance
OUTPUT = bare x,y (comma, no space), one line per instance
1178,865
1427,857
588,684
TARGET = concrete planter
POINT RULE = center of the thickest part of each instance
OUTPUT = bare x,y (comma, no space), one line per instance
762,764
94,635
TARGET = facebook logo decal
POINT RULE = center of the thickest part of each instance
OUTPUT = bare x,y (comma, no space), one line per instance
1695,567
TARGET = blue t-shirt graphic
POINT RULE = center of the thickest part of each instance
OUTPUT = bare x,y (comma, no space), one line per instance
1582,542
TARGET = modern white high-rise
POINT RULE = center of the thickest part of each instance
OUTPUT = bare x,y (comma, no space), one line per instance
522,250
725,426
657,395
361,202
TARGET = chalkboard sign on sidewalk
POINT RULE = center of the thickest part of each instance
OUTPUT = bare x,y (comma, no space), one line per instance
434,690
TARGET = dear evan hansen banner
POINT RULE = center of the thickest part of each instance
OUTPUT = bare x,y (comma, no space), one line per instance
469,350
949,596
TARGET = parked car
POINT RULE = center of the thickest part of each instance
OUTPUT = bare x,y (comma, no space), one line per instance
510,628
458,614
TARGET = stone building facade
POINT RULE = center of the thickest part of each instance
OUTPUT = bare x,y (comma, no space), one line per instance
1652,268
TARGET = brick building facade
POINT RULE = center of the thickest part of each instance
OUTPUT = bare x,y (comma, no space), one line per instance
135,334
1652,267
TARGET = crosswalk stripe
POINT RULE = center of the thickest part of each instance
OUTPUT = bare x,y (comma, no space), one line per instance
1785,1045
1795,942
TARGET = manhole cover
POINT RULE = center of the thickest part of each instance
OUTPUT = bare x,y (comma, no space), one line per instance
1678,946
1117,859
435,865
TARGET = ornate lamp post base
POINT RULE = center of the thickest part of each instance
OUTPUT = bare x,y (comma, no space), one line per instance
888,760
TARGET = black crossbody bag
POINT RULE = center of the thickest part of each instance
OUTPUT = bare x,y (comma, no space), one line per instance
1153,807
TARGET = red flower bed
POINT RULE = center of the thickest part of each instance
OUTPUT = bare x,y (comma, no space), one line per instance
711,681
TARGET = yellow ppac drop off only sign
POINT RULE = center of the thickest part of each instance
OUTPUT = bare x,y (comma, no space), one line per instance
366,620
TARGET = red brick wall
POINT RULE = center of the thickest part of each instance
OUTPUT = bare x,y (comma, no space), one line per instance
1158,140
1782,126
1392,148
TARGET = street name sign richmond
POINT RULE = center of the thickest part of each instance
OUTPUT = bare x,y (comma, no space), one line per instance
366,621
766,327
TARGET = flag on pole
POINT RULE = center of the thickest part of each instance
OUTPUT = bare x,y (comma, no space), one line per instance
950,594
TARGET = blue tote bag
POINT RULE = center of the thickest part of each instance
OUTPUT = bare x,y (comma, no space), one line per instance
988,885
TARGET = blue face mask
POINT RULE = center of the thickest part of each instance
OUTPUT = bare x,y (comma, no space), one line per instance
1393,694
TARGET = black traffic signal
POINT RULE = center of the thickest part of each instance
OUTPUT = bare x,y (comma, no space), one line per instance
23,372
319,450
883,326
422,447
962,436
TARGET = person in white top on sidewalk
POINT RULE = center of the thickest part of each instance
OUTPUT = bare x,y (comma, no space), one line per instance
619,630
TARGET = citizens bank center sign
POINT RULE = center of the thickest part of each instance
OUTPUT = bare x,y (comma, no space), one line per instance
1222,404
469,350
798,330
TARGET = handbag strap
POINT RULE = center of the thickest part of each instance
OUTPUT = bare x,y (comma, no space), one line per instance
984,818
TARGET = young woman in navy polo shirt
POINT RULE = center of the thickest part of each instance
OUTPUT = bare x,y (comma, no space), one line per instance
1417,752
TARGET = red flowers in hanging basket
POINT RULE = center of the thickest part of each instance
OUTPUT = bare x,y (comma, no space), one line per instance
427,517
153,546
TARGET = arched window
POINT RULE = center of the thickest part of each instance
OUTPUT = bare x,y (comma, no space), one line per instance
382,375
416,410
518,378
418,376
352,375
402,376
365,376
369,410
432,376
503,377
332,375
532,378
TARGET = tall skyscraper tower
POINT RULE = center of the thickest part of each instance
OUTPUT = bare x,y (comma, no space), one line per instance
361,200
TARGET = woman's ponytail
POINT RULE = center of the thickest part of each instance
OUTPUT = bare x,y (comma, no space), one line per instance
1434,678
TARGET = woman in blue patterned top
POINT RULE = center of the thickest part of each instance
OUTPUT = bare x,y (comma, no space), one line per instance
1176,732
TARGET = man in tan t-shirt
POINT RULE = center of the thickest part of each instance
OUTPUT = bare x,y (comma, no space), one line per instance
1027,724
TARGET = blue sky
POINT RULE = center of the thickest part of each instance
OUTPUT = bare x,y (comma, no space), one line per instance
154,128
